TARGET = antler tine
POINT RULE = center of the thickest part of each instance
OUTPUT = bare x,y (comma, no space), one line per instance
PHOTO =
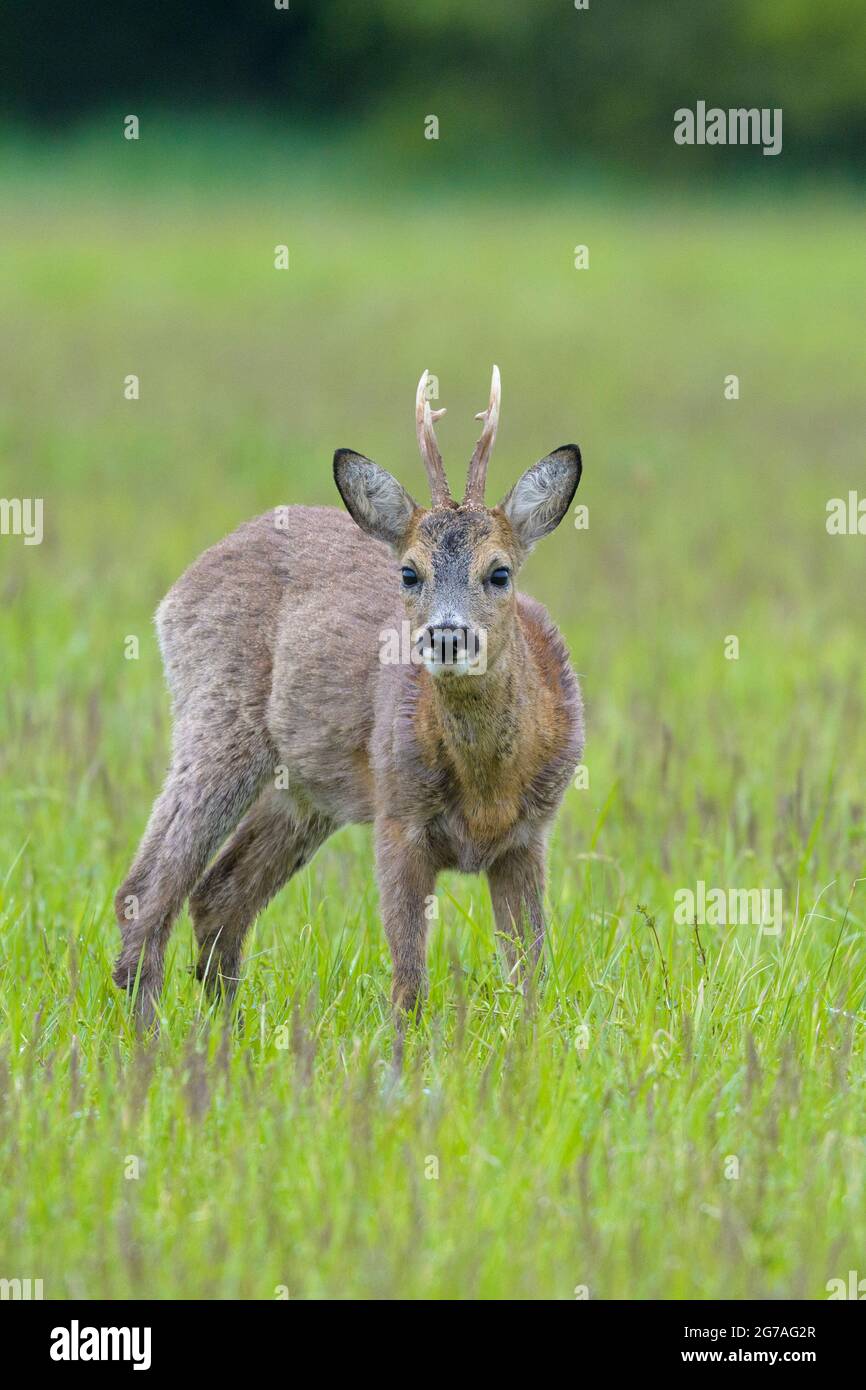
477,475
440,493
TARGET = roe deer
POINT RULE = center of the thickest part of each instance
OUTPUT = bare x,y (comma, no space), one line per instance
289,724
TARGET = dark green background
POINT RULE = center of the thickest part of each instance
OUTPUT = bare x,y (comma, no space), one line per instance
598,85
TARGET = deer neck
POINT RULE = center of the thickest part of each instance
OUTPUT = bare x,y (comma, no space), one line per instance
483,724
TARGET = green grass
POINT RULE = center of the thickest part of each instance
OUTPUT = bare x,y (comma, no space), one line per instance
582,1134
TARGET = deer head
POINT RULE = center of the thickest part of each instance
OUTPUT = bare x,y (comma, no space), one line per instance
458,562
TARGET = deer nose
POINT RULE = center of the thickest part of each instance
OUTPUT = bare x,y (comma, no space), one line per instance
449,642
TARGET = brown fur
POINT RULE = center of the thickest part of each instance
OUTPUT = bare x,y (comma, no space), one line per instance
288,725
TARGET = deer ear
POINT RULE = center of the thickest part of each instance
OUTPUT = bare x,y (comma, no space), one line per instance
377,502
539,500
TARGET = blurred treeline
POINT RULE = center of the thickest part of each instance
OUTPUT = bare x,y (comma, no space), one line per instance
599,84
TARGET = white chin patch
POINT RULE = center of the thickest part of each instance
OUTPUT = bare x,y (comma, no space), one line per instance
462,667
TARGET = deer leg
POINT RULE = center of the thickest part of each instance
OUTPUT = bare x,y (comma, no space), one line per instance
407,879
203,799
270,845
517,890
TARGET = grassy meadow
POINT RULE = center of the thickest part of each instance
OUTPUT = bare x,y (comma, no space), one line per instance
580,1138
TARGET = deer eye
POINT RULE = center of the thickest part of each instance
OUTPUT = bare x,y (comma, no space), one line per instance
499,578
409,576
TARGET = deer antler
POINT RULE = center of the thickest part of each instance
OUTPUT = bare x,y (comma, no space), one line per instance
477,474
440,494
